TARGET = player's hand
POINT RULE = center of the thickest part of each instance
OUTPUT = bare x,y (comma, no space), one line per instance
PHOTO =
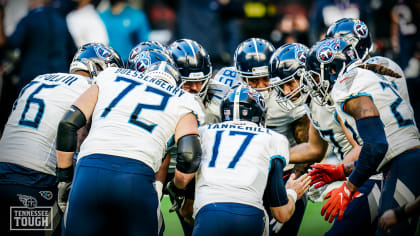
177,194
275,225
338,199
63,195
65,179
323,174
300,185
387,220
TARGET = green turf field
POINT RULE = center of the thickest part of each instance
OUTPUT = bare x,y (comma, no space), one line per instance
313,224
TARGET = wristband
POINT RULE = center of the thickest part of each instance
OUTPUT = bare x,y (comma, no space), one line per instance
292,193
65,174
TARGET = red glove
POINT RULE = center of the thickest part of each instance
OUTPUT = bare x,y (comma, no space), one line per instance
339,198
323,174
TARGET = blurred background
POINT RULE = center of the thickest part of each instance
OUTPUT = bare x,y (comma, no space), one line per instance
41,36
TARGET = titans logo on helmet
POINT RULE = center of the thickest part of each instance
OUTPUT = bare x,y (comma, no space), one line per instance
325,54
103,52
361,29
143,61
301,54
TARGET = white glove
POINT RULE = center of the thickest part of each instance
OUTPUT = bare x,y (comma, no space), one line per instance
276,226
63,195
158,187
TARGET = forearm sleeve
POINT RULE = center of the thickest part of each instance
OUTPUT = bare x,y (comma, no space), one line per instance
374,148
73,120
276,191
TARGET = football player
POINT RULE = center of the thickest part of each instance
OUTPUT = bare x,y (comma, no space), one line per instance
133,116
287,67
193,62
251,61
241,159
356,33
27,162
373,107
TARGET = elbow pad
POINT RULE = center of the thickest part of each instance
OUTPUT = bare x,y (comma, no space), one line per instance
276,190
189,154
73,120
374,148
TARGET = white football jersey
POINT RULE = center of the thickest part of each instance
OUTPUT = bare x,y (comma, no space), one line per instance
324,119
395,112
235,163
215,94
228,76
280,120
136,116
30,133
399,83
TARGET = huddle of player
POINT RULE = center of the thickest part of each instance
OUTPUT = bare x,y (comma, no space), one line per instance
232,149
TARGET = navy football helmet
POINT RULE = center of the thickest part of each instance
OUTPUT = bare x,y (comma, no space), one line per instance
244,104
287,69
193,63
327,60
252,57
147,45
164,71
146,58
95,57
354,32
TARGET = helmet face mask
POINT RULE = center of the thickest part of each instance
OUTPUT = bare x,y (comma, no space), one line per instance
327,61
95,57
287,69
296,96
193,63
244,104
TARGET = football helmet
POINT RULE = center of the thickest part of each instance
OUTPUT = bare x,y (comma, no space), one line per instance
287,69
354,32
244,104
193,63
164,71
95,57
327,60
146,58
147,45
251,59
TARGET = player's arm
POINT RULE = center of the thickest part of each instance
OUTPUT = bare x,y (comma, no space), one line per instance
161,175
188,158
189,150
73,120
371,130
301,133
66,143
282,198
311,151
